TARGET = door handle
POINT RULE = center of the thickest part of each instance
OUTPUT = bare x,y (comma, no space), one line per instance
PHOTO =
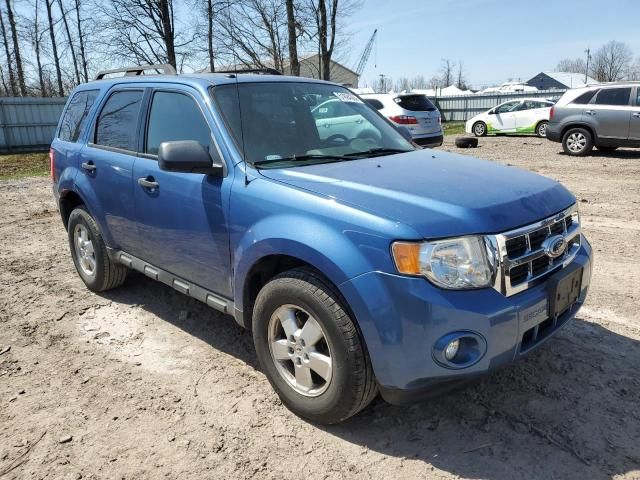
590,112
89,166
148,182
637,114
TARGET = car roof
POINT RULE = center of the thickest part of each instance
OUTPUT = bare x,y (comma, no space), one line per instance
199,79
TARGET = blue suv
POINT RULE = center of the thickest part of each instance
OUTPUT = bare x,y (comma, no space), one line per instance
360,262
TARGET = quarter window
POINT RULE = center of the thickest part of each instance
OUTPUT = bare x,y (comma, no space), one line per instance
75,118
377,104
614,96
175,116
118,120
585,97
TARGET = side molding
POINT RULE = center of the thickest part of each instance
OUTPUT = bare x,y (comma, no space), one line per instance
179,284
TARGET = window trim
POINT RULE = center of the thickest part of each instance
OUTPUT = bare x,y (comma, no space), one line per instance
594,100
89,117
147,113
94,129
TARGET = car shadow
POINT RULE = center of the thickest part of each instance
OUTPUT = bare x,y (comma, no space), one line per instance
568,410
619,154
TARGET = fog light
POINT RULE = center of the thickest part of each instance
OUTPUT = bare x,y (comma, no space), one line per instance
452,349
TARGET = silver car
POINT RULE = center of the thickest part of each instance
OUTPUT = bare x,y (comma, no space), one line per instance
606,116
413,111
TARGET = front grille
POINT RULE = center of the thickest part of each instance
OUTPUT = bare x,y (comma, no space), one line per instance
524,261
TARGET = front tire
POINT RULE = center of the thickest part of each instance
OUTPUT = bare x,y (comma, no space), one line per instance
577,142
479,129
89,253
541,129
310,349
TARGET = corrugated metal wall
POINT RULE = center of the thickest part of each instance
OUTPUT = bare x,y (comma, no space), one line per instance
464,107
28,123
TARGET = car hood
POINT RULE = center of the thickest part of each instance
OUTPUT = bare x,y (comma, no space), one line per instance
436,193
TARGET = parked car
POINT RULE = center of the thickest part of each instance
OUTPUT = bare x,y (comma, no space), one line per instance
528,115
359,265
606,116
413,111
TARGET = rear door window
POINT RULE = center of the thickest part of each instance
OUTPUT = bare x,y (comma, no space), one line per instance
175,116
75,117
614,96
415,103
118,120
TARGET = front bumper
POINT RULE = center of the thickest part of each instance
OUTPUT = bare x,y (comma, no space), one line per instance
401,318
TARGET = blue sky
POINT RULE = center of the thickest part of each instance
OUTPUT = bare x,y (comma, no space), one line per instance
494,39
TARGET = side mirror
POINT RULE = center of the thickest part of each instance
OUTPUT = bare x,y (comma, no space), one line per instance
188,156
404,131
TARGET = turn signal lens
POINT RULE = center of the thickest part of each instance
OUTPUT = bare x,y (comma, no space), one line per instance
407,257
52,163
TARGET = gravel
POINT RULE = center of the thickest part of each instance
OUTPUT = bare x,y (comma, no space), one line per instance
190,402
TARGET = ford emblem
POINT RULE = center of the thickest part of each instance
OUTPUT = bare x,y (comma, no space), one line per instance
554,246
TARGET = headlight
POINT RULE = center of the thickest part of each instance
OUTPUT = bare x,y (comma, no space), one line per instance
455,263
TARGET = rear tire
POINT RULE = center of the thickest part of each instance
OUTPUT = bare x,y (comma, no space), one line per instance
287,309
89,253
541,129
577,142
479,129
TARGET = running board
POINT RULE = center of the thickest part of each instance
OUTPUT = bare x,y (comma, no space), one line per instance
181,285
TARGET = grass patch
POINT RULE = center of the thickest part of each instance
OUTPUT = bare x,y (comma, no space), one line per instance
453,128
18,165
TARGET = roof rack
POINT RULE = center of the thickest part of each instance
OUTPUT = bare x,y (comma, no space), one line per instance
165,69
258,71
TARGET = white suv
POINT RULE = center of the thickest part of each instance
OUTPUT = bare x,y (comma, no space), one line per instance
413,111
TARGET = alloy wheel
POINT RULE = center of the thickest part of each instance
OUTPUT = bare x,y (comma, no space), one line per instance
300,350
85,252
576,142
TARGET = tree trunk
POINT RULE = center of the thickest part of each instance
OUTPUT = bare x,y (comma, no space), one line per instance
294,64
54,47
16,49
12,77
70,40
166,16
5,87
36,44
325,60
83,55
212,65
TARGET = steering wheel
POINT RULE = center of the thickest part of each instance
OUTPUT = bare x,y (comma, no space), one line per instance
338,139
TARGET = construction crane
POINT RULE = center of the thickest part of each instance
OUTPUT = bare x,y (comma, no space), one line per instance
364,58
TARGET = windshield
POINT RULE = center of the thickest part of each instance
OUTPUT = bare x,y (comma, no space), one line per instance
282,124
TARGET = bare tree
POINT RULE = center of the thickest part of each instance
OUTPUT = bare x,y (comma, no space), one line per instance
611,62
143,30
54,47
446,71
418,82
36,42
634,70
403,84
81,41
461,81
12,78
16,49
70,41
294,64
435,83
572,65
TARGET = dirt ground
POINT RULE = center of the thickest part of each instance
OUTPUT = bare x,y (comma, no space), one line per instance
143,382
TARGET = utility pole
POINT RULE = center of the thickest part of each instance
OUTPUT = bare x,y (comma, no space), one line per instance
586,73
382,83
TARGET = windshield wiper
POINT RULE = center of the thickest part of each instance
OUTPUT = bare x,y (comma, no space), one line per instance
303,158
374,152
